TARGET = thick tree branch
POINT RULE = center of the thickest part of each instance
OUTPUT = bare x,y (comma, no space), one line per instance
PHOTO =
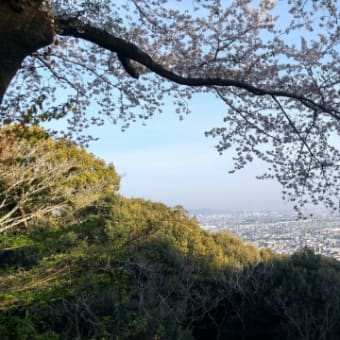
126,50
126,63
25,27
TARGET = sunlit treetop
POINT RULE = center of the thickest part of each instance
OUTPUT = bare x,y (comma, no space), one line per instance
274,64
41,177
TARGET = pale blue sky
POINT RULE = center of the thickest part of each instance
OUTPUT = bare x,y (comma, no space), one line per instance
171,161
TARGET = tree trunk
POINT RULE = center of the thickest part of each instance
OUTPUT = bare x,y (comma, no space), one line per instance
24,28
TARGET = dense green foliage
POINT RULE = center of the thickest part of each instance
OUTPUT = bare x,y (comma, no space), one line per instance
132,269
41,177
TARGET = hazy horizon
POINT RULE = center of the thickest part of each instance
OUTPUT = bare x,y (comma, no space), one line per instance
171,161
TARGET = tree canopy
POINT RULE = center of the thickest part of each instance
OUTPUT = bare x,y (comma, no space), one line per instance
275,65
42,177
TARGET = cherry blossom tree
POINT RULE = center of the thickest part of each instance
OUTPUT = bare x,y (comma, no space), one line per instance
275,65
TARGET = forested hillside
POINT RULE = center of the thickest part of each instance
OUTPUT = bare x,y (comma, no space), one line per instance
78,261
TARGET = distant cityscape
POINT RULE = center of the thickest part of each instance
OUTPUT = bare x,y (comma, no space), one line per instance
282,232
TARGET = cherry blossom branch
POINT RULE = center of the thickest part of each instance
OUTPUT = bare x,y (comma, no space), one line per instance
59,77
296,130
244,117
128,51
